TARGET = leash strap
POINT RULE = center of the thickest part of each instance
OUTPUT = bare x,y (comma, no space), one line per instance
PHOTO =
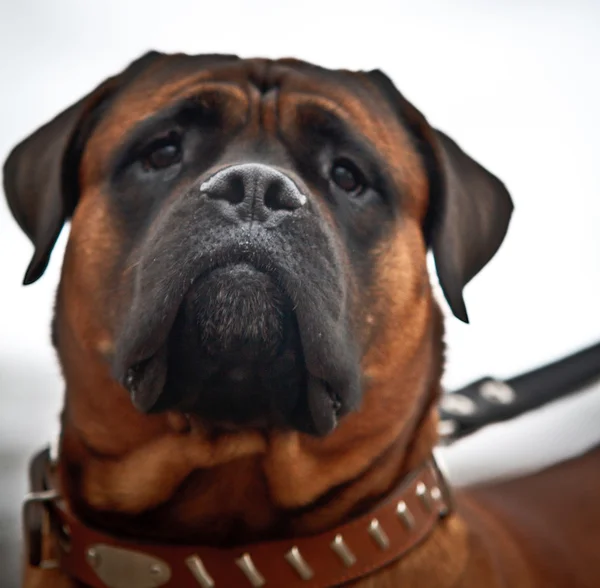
489,400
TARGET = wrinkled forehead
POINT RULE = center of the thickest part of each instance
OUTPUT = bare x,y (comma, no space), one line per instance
237,87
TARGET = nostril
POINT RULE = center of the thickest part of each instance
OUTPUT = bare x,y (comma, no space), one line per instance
237,189
272,198
280,196
228,187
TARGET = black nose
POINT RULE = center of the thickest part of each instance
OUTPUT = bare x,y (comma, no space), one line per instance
254,192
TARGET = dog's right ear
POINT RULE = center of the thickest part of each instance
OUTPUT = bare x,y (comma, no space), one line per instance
41,173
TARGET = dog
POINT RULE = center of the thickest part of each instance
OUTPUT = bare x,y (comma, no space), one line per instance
250,346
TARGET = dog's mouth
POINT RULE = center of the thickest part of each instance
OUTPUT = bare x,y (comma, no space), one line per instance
234,356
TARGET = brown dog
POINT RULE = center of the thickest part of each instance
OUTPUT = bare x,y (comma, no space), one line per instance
247,331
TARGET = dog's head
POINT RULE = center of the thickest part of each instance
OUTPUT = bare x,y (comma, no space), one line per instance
249,237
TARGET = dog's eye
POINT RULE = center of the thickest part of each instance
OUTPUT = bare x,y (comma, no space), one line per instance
163,153
347,176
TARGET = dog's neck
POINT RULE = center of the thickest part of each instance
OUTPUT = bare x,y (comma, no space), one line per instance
165,479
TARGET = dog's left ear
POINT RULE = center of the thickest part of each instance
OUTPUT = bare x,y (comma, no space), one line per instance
41,173
469,208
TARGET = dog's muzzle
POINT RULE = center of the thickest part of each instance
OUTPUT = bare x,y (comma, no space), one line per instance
239,309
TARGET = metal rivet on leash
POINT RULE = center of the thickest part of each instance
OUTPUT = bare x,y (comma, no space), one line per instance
295,559
343,551
195,565
458,404
497,392
247,566
405,515
379,535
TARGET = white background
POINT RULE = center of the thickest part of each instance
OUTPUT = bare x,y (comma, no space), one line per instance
514,82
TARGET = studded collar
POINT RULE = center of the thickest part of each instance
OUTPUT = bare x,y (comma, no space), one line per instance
344,554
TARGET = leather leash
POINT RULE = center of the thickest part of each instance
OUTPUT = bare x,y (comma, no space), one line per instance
490,400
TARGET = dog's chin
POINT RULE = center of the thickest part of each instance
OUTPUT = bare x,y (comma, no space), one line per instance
234,358
235,315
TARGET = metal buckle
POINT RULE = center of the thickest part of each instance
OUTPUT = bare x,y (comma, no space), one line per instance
34,513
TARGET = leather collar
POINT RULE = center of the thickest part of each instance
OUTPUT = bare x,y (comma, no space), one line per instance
351,551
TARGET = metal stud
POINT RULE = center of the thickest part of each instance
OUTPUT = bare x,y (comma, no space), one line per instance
247,566
405,515
295,559
379,535
343,551
423,496
92,557
195,565
437,496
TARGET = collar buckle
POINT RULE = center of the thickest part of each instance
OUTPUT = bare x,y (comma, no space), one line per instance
36,521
